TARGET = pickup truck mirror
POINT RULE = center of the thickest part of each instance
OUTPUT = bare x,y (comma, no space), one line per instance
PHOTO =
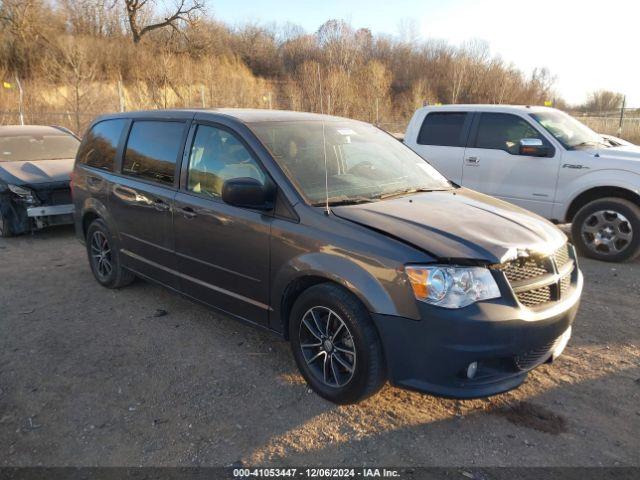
533,147
248,193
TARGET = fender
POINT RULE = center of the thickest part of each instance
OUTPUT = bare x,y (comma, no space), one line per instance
352,273
625,179
93,205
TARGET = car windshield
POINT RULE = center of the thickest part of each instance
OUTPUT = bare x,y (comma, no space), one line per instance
21,148
568,131
362,162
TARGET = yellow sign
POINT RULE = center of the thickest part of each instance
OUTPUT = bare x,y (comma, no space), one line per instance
548,103
7,85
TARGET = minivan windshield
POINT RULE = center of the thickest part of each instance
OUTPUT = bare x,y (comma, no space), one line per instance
363,163
568,131
31,148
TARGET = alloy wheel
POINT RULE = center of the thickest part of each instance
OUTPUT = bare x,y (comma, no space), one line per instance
327,346
101,254
606,232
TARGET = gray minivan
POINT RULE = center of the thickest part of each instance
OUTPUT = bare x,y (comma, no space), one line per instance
333,234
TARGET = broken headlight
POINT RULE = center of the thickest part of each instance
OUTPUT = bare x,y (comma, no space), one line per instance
451,287
25,194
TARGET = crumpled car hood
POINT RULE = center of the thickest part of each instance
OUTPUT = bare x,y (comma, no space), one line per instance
33,173
458,224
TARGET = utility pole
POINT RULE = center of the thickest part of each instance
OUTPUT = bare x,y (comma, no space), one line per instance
121,95
202,96
21,100
624,101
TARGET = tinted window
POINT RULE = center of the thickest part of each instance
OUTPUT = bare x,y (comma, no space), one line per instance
444,129
152,150
101,143
502,131
216,156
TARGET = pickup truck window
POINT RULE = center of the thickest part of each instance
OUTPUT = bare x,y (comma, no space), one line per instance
568,131
99,147
443,129
503,131
216,156
152,150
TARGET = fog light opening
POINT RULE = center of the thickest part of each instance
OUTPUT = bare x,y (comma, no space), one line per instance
472,369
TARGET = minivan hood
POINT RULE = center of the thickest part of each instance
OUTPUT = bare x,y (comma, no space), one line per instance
458,224
33,173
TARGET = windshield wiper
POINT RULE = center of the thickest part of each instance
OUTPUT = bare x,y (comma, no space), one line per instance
406,192
587,143
345,201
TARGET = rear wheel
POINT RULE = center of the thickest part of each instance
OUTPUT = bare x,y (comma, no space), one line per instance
336,345
104,257
608,229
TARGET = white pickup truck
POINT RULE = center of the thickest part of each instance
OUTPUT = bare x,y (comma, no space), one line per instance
543,160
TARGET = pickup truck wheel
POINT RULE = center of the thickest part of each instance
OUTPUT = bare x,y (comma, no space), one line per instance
608,229
5,229
336,345
104,257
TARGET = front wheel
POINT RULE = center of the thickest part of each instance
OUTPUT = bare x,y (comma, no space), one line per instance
336,345
607,229
5,228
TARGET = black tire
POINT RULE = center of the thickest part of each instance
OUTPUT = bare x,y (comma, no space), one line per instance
600,219
99,236
358,334
5,228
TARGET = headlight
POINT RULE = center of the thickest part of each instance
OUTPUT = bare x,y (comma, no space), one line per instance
23,193
451,287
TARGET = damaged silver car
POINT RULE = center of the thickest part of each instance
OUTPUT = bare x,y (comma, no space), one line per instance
35,168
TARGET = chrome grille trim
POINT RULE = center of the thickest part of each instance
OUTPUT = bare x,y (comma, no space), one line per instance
539,281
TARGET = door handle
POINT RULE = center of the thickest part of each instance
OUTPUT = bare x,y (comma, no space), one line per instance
473,160
160,205
188,212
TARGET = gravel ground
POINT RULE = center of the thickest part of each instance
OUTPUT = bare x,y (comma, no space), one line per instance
143,376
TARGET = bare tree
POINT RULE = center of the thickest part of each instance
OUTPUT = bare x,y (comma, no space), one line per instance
184,11
603,101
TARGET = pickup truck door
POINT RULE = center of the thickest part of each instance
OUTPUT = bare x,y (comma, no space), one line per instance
441,141
493,165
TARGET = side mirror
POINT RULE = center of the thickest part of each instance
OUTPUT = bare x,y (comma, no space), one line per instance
248,193
533,147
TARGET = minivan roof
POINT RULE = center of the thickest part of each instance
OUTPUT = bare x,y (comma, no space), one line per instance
244,115
10,130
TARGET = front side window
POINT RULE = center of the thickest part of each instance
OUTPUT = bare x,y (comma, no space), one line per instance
568,131
152,150
28,147
99,146
443,129
503,131
216,156
347,161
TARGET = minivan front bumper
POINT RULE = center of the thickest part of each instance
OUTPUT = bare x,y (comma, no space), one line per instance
505,340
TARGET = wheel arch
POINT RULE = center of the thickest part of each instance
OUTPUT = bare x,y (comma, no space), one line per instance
596,193
374,293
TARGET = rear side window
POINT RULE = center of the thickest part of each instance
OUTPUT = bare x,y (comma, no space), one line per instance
444,129
152,150
503,131
101,143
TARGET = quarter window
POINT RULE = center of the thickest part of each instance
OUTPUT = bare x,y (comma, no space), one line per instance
443,129
101,143
217,155
503,131
152,150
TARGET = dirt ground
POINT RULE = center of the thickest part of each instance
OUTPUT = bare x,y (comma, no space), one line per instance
143,376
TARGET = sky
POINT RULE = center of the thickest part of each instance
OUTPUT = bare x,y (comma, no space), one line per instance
588,45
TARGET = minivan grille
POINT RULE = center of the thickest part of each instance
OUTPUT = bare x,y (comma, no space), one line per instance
535,357
531,271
